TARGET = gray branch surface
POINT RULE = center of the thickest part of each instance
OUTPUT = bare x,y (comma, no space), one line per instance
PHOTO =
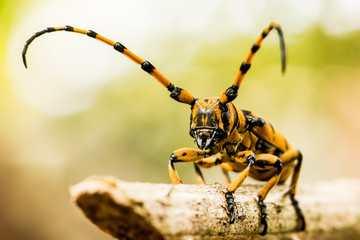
136,210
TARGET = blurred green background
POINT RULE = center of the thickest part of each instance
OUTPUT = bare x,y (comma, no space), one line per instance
82,109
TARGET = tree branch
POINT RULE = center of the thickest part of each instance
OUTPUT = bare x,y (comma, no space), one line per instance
133,210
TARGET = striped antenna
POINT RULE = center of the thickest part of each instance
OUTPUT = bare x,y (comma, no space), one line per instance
231,93
177,93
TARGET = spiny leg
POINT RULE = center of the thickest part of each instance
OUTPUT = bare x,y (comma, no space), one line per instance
288,158
231,93
177,93
271,163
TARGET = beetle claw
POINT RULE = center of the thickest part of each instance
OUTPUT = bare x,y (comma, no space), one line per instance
231,208
302,223
263,215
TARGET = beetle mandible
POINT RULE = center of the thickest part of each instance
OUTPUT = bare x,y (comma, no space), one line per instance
236,140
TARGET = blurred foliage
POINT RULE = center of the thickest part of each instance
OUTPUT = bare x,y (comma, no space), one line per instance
133,126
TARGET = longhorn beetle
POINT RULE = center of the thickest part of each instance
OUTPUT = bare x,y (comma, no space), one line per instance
237,140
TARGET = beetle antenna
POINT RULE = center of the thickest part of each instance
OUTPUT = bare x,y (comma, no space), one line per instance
231,93
177,93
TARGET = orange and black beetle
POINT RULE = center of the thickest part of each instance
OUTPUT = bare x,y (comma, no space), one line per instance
236,140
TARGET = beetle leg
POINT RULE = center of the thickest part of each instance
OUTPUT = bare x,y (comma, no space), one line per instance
198,174
226,176
183,155
302,222
208,163
288,158
267,162
245,157
230,206
263,215
205,163
226,167
241,157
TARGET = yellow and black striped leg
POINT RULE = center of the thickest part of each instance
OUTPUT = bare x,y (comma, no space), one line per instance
273,164
183,155
245,157
176,93
288,158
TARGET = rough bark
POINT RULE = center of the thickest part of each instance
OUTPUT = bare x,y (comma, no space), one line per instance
134,210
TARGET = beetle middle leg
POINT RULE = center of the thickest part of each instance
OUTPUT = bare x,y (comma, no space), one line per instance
273,165
270,166
246,158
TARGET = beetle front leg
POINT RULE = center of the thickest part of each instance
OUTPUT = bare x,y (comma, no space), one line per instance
245,157
183,155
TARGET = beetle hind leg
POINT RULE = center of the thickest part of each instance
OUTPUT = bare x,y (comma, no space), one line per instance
263,215
302,223
288,158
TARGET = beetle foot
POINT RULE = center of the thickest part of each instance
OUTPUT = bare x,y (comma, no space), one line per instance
263,215
230,206
302,223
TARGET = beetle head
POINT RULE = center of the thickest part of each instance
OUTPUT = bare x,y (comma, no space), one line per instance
209,122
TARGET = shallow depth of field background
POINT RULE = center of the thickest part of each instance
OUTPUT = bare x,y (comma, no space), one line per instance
83,109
